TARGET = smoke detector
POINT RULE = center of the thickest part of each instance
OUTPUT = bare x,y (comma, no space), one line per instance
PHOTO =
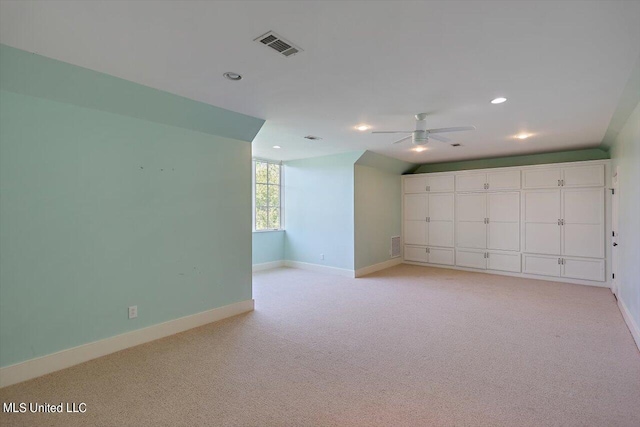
277,43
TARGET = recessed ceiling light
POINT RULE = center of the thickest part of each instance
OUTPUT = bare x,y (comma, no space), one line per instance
498,100
523,135
363,127
276,146
232,76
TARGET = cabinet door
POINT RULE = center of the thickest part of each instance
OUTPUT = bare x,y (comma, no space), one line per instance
471,229
440,183
415,232
416,254
440,224
504,261
541,218
583,176
507,180
587,269
583,229
471,259
542,178
540,264
441,256
471,181
415,184
416,207
503,211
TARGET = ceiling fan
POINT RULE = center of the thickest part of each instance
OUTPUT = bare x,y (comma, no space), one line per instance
421,135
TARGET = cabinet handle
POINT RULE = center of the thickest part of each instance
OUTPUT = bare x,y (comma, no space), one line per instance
558,222
562,181
487,185
562,222
562,261
487,255
558,261
558,183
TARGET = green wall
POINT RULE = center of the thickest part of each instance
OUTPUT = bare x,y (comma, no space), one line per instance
501,162
319,210
106,202
625,154
268,246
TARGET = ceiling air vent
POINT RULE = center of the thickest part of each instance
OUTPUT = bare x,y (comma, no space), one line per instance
277,43
456,145
312,138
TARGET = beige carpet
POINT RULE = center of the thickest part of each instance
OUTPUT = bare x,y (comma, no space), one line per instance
409,346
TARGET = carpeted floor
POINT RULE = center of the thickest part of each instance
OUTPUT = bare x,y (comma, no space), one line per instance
409,346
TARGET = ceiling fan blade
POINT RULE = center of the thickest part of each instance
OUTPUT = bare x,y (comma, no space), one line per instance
454,129
439,138
392,131
400,140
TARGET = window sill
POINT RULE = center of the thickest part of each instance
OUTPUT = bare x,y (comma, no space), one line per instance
269,231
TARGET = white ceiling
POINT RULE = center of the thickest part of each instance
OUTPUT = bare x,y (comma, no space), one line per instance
562,65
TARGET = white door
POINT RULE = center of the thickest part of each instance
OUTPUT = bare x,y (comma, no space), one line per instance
441,256
440,183
440,224
471,259
471,227
586,269
415,219
583,225
583,176
507,180
416,254
471,181
502,261
541,264
541,221
541,178
415,184
503,213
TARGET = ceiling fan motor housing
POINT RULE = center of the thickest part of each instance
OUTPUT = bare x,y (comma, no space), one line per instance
420,137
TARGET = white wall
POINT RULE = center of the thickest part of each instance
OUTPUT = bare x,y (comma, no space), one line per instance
625,154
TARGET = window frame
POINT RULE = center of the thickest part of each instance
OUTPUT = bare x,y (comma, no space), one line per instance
280,186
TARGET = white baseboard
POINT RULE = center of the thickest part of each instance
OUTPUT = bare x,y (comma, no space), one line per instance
63,359
631,323
320,268
267,265
379,266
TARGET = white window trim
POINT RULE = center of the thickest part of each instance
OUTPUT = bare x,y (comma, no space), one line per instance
253,195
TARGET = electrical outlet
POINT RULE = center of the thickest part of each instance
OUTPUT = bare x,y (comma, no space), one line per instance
322,256
133,312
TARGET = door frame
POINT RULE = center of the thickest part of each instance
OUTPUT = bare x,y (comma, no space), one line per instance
615,225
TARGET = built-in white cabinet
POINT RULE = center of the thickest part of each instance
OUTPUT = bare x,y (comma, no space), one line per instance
543,220
488,260
429,184
573,268
491,181
569,176
488,221
428,219
564,222
442,256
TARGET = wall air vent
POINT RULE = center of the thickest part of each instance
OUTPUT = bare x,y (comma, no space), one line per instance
312,138
277,43
456,145
395,246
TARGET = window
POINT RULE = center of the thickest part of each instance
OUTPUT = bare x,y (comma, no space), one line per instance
267,201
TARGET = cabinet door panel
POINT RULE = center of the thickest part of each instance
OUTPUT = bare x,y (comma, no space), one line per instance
441,207
441,256
470,259
542,238
541,178
587,269
471,182
415,207
504,236
441,233
542,206
415,253
471,235
415,232
441,183
583,176
542,265
471,207
417,184
503,262
583,229
507,180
